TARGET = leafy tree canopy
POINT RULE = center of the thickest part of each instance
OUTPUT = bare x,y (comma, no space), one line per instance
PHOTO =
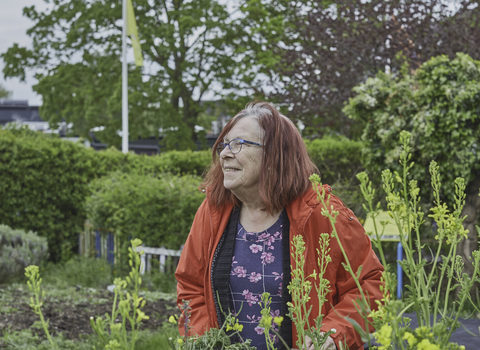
439,104
192,51
328,47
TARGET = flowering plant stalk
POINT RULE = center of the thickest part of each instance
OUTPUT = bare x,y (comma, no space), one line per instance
34,281
300,288
362,305
213,339
269,323
128,308
393,330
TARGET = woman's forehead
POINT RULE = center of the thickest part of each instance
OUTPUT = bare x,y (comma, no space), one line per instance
246,128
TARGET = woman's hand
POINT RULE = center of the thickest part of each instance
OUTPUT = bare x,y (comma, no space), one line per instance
329,344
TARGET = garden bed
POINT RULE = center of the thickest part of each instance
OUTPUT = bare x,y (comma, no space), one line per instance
69,310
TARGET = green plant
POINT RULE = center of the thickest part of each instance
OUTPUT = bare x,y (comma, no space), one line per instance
34,282
114,335
300,288
162,282
336,157
157,209
45,182
213,339
79,271
393,329
18,249
361,305
439,104
25,340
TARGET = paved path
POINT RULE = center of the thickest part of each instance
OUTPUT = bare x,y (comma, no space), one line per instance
460,336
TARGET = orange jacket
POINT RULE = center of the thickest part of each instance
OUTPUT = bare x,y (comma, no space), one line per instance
304,213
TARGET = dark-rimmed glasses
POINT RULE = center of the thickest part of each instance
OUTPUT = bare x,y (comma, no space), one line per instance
235,145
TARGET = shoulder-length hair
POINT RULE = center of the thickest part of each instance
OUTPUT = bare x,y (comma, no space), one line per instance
285,166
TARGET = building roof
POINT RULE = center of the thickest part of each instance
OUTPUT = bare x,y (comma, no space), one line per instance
18,111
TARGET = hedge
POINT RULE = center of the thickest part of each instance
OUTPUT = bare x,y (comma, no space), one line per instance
44,181
337,157
157,209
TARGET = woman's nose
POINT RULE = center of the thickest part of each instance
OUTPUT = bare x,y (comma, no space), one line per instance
226,152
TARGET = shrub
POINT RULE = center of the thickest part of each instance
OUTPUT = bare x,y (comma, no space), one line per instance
338,159
45,181
157,209
18,249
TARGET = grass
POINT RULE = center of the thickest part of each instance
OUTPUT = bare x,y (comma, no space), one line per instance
80,281
26,340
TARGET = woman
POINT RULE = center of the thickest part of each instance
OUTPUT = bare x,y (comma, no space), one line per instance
258,198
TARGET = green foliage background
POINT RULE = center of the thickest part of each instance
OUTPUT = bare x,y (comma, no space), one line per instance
339,160
439,104
157,209
50,186
45,181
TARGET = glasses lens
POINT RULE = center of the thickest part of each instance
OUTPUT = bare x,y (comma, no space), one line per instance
235,146
220,148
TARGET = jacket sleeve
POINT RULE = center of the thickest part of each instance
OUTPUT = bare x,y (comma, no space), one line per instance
190,275
359,250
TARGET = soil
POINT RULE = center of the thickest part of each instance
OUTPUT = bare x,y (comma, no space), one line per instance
71,315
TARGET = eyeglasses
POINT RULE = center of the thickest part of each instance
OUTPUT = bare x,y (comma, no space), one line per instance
235,145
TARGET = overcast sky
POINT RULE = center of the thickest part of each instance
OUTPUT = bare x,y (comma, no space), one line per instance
13,29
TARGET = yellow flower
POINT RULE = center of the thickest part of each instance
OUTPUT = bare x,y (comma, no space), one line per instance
235,327
426,345
278,320
172,319
179,341
384,336
410,338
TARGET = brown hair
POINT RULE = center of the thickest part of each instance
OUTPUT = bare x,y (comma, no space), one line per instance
285,166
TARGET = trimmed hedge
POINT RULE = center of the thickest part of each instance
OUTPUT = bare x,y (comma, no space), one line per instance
337,157
339,160
18,249
44,181
157,209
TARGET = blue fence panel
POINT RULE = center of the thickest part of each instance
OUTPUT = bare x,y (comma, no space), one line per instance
98,244
110,248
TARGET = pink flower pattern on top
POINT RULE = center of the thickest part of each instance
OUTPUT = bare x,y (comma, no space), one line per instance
267,258
255,277
257,268
255,248
249,297
239,271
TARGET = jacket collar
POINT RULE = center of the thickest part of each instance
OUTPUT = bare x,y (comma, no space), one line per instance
298,211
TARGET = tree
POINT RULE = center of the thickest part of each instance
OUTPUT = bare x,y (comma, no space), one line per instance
328,47
4,93
188,49
439,104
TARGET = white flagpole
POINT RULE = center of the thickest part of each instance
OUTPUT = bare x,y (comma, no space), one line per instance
124,81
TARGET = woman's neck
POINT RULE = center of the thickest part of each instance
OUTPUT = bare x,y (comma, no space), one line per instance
255,218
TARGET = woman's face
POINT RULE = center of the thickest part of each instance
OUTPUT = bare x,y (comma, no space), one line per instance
241,171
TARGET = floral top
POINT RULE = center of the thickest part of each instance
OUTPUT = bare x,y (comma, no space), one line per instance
256,268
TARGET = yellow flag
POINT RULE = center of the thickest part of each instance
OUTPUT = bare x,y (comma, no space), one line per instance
133,32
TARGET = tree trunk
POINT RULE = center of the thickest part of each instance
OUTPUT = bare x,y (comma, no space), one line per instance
472,211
